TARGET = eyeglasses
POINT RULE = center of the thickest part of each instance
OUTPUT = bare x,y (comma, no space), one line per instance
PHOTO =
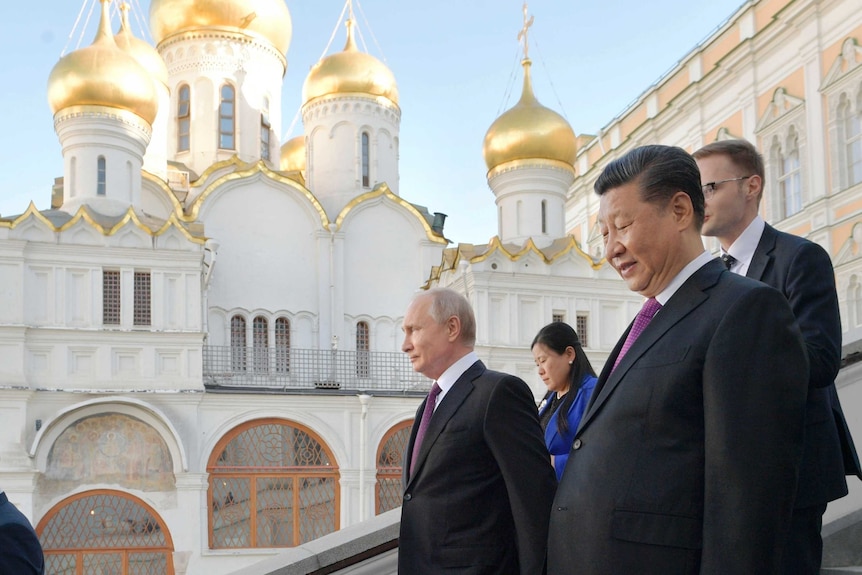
709,188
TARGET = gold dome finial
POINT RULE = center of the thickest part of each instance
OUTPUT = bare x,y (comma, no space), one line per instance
529,130
350,45
522,35
102,74
350,71
140,50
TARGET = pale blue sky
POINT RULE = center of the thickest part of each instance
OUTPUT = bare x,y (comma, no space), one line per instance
456,64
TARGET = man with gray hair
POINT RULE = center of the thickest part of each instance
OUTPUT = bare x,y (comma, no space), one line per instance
478,482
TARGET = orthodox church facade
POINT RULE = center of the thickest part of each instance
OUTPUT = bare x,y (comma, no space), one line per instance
190,383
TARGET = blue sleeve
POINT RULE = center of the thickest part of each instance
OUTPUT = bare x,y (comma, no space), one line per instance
560,445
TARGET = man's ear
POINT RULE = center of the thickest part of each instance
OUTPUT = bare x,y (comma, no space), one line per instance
453,328
753,188
682,209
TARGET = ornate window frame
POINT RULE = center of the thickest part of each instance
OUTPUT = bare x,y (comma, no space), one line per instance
783,122
842,86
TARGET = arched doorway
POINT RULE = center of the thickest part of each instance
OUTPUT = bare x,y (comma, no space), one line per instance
106,532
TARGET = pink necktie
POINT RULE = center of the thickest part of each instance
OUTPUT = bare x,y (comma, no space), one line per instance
423,425
649,309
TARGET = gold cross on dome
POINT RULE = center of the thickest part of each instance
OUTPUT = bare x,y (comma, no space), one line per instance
522,35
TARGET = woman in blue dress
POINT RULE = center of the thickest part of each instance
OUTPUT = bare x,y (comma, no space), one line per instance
570,379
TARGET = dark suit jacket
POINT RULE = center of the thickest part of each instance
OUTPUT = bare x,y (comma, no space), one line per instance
803,272
479,499
20,551
686,460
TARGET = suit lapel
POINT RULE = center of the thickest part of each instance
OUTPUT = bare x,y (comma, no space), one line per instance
443,413
762,254
686,299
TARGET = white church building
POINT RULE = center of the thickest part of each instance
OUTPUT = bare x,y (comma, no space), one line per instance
199,363
200,358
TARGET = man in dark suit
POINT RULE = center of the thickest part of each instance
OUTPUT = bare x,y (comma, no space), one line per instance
20,551
686,459
732,174
478,491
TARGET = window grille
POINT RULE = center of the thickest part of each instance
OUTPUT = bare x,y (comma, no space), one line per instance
558,316
141,315
260,341
271,484
111,297
104,531
282,345
237,343
390,461
581,327
362,348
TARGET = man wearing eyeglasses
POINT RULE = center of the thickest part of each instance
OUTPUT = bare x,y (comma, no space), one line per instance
732,174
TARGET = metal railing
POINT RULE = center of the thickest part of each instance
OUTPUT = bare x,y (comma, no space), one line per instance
310,369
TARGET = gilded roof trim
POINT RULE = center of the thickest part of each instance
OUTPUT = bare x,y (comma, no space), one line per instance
382,190
549,255
250,170
83,213
31,211
163,185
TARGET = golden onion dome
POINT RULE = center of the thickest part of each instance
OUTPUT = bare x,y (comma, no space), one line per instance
145,54
102,75
269,19
350,71
529,131
293,155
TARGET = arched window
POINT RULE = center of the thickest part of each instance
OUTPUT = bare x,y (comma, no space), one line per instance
227,118
854,298
363,343
184,118
282,345
237,343
105,531
272,483
265,130
790,176
366,161
852,127
544,216
390,462
260,340
101,176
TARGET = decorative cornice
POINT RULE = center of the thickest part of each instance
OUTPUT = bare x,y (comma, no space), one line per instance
326,99
215,33
102,113
513,165
382,191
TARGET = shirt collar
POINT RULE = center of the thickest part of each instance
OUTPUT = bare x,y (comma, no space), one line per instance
745,245
448,378
682,276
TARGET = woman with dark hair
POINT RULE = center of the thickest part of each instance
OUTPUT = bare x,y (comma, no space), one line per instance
570,379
